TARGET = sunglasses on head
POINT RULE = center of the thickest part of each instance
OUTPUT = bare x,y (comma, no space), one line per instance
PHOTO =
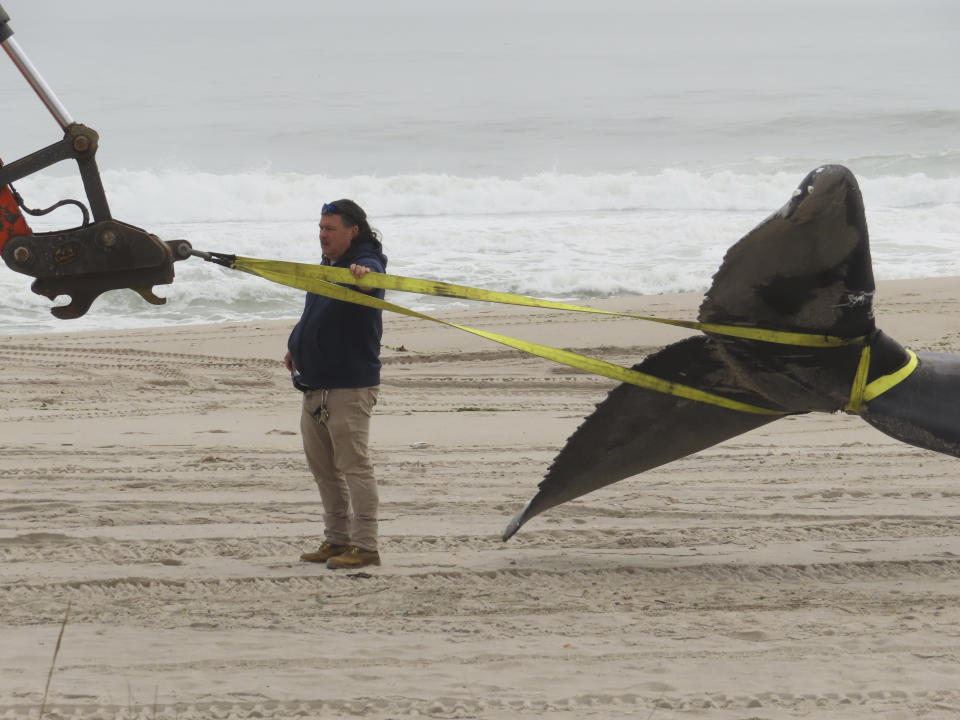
332,209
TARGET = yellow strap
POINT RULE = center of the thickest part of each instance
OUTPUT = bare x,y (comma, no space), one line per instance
885,382
859,382
302,272
863,392
322,279
281,273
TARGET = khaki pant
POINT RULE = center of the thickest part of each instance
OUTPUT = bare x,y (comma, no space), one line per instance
335,426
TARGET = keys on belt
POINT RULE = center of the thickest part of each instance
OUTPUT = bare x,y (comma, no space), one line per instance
321,413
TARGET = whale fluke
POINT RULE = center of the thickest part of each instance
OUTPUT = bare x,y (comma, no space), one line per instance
805,269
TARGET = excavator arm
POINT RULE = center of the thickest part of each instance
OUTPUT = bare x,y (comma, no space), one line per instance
101,254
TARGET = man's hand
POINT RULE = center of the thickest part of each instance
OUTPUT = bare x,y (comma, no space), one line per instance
288,363
358,272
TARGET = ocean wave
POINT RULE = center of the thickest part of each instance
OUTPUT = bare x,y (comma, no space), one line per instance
551,235
180,196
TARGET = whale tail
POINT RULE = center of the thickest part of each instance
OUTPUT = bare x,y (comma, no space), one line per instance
635,429
805,269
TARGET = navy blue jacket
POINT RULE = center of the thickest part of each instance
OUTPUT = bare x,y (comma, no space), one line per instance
336,344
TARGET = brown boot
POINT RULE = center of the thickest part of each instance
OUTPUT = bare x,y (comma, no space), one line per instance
324,553
354,557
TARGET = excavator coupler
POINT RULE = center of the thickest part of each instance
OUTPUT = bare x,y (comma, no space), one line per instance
87,261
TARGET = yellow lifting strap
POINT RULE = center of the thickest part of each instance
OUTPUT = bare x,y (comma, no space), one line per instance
323,279
304,272
863,392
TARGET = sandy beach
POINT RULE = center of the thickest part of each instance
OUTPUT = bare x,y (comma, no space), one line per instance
153,481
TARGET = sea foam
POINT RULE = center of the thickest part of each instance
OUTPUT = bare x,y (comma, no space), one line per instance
551,235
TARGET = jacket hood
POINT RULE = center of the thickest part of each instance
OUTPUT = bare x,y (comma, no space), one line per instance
365,249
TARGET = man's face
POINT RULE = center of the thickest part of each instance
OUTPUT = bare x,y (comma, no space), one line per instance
335,237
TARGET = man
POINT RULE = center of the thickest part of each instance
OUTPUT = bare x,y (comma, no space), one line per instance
334,357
